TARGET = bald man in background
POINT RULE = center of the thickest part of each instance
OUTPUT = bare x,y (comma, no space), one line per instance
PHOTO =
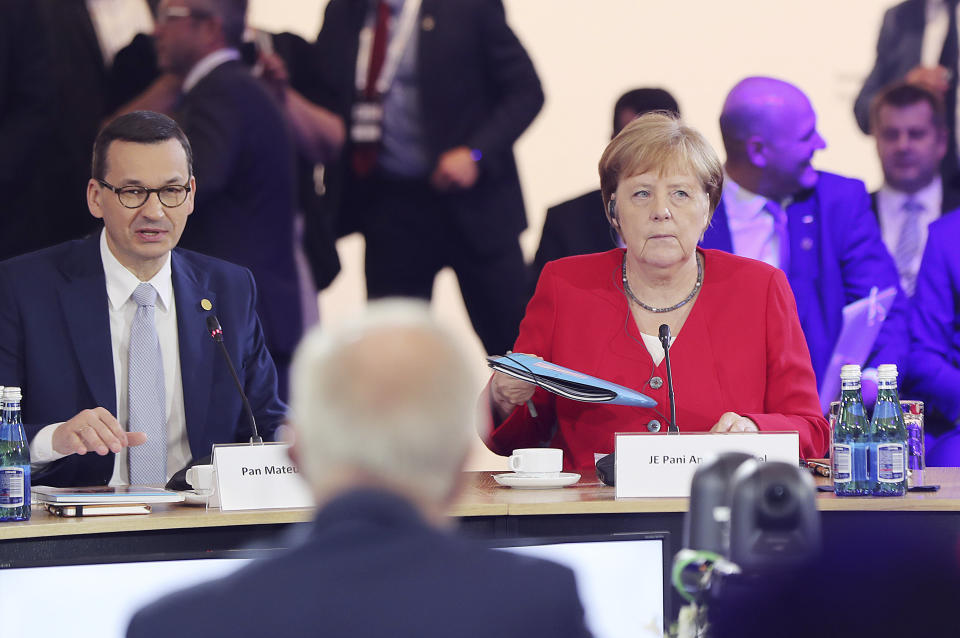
816,226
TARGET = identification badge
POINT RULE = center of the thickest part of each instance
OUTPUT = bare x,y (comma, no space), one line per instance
367,122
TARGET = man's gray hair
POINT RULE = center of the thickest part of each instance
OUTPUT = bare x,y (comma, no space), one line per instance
390,396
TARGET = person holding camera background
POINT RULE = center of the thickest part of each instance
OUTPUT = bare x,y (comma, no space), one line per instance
739,357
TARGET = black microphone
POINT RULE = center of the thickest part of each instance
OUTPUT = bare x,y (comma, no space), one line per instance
665,341
216,333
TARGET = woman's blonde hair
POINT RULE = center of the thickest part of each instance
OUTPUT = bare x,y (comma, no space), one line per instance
660,141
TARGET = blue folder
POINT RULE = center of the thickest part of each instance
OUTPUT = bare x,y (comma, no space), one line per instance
567,383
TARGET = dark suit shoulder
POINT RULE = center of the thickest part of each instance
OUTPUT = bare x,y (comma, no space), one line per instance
587,203
45,260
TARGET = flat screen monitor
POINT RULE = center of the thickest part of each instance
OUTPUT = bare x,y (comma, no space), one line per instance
620,580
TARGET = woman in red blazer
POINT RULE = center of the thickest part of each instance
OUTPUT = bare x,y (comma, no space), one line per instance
740,362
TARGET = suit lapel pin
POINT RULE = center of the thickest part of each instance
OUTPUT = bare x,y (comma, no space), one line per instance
428,23
808,219
205,304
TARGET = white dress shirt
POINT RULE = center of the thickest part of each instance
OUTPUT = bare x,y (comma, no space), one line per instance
116,22
934,34
892,219
120,284
752,230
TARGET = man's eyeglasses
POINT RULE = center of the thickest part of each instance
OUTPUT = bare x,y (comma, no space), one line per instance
172,195
165,15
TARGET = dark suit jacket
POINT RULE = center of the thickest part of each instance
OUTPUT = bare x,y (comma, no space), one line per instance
934,375
478,88
575,227
372,567
80,76
836,256
55,344
244,162
898,50
27,105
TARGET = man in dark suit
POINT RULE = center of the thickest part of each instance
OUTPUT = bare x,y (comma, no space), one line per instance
579,226
383,409
817,227
78,46
918,44
429,174
26,112
908,124
934,376
244,157
73,337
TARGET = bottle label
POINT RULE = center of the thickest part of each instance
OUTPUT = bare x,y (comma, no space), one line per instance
890,462
11,486
842,463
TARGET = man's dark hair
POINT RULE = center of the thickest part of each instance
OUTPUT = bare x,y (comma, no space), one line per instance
143,127
645,100
900,95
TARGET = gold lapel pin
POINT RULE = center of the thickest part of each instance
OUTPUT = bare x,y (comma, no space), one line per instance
205,304
428,23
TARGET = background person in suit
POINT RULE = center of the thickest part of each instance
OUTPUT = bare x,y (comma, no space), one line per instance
918,44
934,371
817,227
578,226
381,410
428,174
68,316
907,122
244,157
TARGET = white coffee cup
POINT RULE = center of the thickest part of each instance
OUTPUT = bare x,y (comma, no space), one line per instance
537,461
202,478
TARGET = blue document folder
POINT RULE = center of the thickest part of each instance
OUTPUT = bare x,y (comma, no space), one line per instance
567,383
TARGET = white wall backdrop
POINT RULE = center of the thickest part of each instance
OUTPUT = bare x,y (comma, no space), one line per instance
588,52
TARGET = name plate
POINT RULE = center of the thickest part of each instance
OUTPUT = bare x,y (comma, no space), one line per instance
663,465
258,477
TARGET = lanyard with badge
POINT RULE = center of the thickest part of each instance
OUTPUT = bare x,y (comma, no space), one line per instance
367,114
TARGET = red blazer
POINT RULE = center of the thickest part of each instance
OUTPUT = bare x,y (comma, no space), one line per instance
741,350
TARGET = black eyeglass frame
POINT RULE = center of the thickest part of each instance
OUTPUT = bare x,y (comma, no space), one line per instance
186,191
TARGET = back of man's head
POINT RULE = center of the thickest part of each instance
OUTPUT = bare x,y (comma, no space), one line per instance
636,102
387,399
142,127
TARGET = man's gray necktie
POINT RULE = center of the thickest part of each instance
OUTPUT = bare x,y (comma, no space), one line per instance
147,405
781,233
908,244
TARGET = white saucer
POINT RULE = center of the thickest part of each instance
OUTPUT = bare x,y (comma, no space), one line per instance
521,482
191,497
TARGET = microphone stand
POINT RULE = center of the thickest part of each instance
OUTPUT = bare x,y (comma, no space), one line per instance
216,333
665,342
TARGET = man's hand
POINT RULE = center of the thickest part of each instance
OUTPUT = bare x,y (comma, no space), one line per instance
273,71
455,170
733,422
94,430
935,79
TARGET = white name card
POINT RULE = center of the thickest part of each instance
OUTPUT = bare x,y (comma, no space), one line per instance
258,477
663,465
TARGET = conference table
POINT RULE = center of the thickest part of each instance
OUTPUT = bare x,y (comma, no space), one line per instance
483,510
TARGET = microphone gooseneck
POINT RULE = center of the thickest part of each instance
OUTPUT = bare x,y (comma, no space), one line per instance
216,333
665,342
